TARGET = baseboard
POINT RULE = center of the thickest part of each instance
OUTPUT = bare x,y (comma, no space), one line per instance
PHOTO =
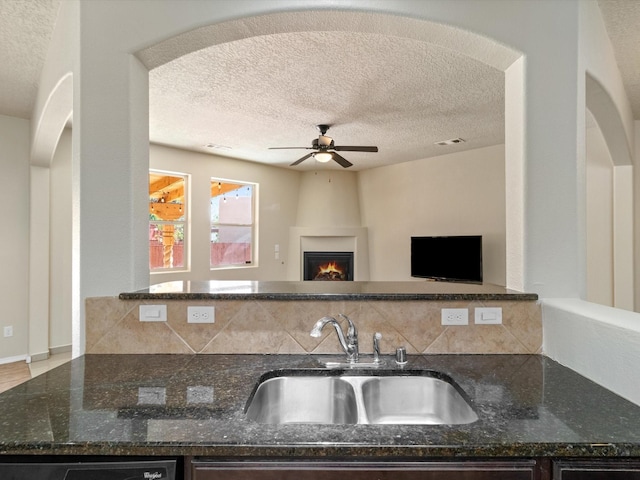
37,357
60,349
17,358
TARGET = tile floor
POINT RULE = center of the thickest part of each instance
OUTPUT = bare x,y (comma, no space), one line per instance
12,374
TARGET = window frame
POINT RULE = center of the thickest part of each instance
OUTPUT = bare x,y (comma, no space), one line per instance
185,223
253,226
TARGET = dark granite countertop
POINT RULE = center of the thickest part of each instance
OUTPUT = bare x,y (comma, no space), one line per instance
527,405
266,290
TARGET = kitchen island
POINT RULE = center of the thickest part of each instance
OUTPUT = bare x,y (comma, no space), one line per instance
193,405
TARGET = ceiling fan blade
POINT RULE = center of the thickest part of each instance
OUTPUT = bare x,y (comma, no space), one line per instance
341,160
291,148
343,148
300,160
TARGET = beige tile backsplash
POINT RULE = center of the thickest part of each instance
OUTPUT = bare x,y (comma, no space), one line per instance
268,326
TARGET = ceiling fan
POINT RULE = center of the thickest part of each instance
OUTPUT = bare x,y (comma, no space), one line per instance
325,149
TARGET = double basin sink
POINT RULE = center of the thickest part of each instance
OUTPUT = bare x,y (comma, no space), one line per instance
344,397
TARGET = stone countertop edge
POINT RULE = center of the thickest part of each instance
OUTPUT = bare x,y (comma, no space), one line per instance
327,291
331,296
528,406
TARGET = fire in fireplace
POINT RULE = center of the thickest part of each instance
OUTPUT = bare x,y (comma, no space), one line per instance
328,266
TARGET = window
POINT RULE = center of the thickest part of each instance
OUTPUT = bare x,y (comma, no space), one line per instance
167,220
232,223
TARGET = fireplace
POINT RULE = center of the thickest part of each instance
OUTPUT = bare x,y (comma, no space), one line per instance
328,266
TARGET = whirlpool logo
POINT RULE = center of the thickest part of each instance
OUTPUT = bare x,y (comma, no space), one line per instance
152,475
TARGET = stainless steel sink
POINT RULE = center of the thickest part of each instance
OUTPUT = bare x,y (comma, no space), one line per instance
400,399
414,400
299,399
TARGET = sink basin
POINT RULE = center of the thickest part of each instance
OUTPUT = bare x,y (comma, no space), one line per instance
401,399
414,400
299,399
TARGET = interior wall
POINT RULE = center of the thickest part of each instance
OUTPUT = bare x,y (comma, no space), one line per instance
623,210
599,177
60,244
14,254
277,209
39,256
455,194
636,217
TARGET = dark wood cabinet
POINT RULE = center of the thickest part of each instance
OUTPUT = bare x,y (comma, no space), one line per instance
600,469
323,470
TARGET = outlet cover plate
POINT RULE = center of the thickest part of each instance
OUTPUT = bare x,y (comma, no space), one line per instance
488,316
455,316
201,315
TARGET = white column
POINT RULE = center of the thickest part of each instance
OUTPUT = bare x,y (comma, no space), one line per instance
110,167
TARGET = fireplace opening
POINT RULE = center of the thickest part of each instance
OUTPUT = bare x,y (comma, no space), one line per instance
328,266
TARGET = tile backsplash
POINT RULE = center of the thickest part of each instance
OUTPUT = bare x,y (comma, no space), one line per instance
274,326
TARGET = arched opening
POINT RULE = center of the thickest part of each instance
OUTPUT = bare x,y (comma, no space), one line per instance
484,50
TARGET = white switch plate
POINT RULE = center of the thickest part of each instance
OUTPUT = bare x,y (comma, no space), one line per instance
488,316
201,315
455,316
153,313
8,331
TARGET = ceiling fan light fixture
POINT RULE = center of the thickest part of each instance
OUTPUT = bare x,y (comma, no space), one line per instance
323,157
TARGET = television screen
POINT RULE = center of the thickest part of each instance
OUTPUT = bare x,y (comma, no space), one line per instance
452,259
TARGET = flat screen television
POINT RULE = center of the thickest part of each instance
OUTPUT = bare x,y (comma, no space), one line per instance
447,259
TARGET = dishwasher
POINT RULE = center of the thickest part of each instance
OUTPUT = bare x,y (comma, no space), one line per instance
119,470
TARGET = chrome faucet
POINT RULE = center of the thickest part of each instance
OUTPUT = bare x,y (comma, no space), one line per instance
348,344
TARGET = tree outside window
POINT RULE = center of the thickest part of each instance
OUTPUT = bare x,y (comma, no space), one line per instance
232,223
167,220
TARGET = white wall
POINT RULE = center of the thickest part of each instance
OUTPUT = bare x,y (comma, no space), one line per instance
599,342
39,256
599,219
60,245
328,198
14,254
277,210
455,194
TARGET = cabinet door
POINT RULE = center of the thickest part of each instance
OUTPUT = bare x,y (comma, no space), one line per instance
473,470
601,469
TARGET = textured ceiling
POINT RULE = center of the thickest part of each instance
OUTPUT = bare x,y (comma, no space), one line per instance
394,91
622,19
25,31
268,91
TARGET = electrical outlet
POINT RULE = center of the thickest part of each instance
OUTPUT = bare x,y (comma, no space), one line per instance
8,331
488,316
455,316
201,315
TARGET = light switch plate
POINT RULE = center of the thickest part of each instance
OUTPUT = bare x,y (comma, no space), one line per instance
488,316
153,313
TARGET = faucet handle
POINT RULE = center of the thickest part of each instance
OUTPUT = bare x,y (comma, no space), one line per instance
352,332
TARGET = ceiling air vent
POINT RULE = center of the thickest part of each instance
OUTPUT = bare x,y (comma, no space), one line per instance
453,141
217,146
